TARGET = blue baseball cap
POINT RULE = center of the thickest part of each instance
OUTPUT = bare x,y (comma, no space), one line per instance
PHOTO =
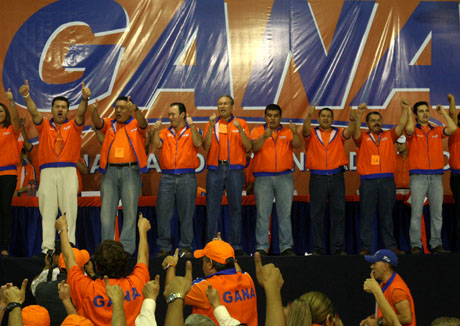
384,255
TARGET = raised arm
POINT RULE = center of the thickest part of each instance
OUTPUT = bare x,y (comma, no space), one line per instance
306,130
350,129
179,286
27,144
296,139
24,90
452,108
169,265
66,249
207,140
451,125
410,126
359,117
13,110
97,121
143,251
258,143
116,294
81,111
196,136
138,115
156,140
244,137
403,119
64,295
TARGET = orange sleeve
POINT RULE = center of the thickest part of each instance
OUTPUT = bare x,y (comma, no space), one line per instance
197,295
399,295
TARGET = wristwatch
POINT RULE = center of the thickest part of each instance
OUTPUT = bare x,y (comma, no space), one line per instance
380,321
13,305
174,296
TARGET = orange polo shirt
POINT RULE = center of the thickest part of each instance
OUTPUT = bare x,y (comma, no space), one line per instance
276,155
235,151
376,154
69,153
178,154
454,150
426,155
121,151
402,178
10,151
325,151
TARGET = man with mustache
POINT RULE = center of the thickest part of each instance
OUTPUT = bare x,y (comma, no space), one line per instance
426,167
376,165
123,159
58,154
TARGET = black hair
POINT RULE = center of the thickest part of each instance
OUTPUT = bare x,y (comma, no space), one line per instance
273,107
181,107
60,98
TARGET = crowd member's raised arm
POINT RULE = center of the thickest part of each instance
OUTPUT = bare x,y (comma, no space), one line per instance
95,117
359,117
64,295
197,138
156,141
296,139
270,278
24,90
452,108
13,298
244,137
307,122
116,294
81,110
138,115
389,316
143,225
175,293
350,129
169,265
451,125
403,119
13,110
207,140
66,248
410,126
147,315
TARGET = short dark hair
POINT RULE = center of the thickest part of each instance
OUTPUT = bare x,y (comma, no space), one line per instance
230,263
420,103
326,109
7,121
111,259
121,98
227,96
368,116
60,98
181,107
273,107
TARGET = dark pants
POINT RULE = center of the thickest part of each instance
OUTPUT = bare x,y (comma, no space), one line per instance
7,187
327,189
375,193
455,187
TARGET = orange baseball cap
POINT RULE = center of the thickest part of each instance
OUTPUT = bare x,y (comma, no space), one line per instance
216,250
81,257
74,320
35,315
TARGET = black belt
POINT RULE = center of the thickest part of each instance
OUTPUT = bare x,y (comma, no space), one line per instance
223,162
121,165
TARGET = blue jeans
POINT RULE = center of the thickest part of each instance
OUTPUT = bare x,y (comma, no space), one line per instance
379,193
324,190
120,183
176,191
420,185
280,187
216,182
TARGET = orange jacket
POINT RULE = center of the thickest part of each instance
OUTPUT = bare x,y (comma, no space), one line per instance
26,173
376,154
236,151
10,151
426,155
178,154
136,138
276,155
396,282
325,158
454,150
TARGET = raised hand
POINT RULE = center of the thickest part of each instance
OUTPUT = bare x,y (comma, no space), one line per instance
268,276
212,119
94,106
9,95
180,284
143,224
157,124
171,261
114,292
236,123
292,127
213,296
85,91
189,120
311,111
24,89
152,288
361,108
61,223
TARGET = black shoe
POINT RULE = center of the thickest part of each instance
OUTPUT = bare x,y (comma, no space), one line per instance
240,253
288,252
416,251
163,253
439,250
398,252
340,252
365,252
261,252
185,253
317,252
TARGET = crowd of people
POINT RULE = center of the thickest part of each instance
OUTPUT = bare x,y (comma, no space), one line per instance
126,140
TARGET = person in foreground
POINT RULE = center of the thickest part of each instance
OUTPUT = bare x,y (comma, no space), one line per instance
394,289
90,296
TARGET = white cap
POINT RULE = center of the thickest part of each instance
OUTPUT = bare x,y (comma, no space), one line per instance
401,139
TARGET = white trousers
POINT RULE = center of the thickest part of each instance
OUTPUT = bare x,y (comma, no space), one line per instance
58,189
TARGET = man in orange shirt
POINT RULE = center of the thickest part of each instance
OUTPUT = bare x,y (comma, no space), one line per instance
376,165
426,167
326,159
227,141
272,168
179,146
123,159
395,290
90,296
58,154
454,161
